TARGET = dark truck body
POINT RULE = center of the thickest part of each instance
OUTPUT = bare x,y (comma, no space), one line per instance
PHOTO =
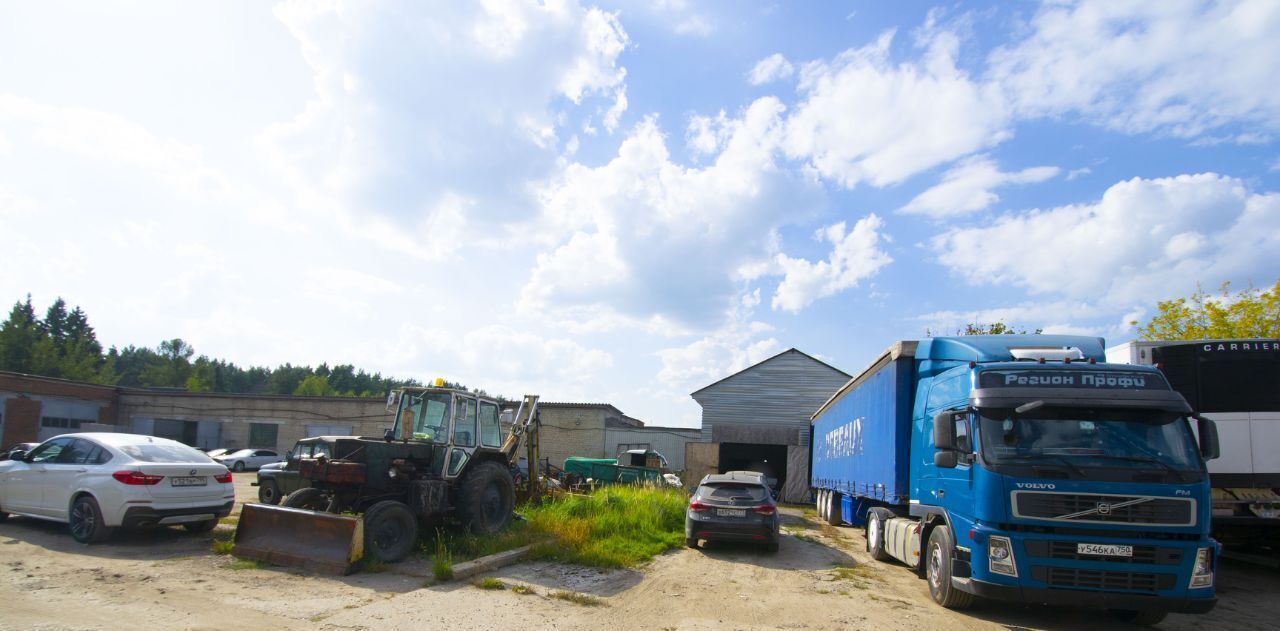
1236,382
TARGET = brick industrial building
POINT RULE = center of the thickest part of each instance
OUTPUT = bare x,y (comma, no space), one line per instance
34,408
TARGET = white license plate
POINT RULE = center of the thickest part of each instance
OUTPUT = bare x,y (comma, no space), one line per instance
731,512
1104,551
189,481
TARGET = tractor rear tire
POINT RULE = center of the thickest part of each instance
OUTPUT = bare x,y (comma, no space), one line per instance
309,498
486,498
390,531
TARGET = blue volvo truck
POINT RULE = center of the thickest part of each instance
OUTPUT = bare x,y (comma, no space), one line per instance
1024,468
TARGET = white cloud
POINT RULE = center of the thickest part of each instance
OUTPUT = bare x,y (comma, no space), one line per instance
969,186
775,67
1080,172
1144,240
644,236
695,25
864,118
739,343
417,105
706,134
1180,68
855,256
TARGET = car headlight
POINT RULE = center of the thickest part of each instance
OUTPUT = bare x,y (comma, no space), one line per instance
1202,572
1000,556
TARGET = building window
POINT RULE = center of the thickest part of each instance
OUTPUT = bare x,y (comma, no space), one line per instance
625,447
60,423
263,435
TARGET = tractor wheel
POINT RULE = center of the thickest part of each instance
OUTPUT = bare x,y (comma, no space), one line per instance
390,531
269,492
309,498
486,498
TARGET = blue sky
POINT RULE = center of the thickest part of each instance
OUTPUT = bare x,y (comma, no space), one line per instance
624,202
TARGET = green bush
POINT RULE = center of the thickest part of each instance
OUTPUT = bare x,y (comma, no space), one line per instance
616,526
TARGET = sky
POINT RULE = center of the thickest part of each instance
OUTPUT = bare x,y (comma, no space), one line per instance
623,202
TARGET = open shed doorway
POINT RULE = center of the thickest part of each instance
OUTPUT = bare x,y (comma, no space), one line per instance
771,460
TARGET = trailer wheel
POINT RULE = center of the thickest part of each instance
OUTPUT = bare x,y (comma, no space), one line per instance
390,531
877,519
1140,618
818,504
486,498
835,513
938,571
309,498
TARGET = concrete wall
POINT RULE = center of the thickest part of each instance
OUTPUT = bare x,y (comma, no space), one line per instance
26,399
225,420
668,441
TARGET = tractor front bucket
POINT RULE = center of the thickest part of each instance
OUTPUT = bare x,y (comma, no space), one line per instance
319,541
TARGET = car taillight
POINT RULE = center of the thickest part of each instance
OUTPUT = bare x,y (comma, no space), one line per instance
698,507
223,478
135,478
765,509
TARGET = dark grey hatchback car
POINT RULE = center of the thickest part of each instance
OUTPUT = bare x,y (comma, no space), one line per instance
733,506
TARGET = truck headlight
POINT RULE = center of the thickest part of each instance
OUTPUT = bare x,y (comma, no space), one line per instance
1000,556
1202,573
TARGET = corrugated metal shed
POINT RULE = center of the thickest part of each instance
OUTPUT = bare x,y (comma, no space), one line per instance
668,441
784,390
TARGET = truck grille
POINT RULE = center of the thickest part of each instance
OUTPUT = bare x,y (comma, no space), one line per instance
1102,580
1150,555
1105,509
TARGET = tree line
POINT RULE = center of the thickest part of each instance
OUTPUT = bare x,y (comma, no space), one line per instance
63,344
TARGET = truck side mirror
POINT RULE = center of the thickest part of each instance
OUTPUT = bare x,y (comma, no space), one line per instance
945,459
1209,446
944,431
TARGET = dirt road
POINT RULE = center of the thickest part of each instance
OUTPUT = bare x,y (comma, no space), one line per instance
821,579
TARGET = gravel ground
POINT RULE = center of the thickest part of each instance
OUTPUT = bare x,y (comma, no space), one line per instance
170,579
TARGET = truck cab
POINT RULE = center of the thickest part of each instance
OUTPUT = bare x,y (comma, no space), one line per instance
1033,473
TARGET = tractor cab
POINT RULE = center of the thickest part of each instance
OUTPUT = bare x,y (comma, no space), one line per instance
456,422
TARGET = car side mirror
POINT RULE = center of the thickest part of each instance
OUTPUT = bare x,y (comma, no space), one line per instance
1210,448
944,431
945,459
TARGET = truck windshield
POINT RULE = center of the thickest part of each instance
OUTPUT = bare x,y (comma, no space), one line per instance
1088,438
426,413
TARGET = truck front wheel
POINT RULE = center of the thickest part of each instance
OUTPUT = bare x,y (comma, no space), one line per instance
390,531
938,571
486,498
309,498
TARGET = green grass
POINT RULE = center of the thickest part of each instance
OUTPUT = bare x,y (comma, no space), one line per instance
442,563
616,526
247,564
524,590
581,599
373,566
489,583
223,546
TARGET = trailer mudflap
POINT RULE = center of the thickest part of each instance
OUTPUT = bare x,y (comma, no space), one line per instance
319,541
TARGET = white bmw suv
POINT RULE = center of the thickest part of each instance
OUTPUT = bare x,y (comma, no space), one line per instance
97,482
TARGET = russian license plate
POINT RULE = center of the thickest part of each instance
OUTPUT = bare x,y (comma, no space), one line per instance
188,481
731,512
1104,551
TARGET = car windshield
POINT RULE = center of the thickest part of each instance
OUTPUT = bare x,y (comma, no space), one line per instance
240,453
733,491
426,413
1088,437
163,453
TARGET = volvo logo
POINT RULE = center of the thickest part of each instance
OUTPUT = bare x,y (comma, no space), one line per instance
1104,508
193,472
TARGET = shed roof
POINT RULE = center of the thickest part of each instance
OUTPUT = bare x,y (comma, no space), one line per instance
761,363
